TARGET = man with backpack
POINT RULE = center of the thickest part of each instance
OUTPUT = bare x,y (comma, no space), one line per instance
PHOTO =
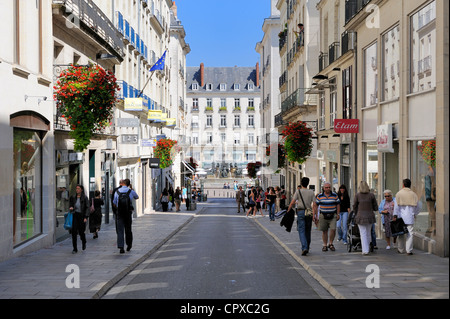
123,198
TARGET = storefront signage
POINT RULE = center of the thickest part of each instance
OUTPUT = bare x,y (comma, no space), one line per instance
385,138
148,142
154,116
346,126
133,104
153,162
130,139
128,122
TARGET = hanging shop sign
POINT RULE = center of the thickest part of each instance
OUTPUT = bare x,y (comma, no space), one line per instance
133,104
154,116
385,138
153,162
346,126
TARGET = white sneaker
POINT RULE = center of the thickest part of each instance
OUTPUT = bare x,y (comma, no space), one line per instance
388,247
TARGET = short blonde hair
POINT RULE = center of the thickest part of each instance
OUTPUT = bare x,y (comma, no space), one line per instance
363,187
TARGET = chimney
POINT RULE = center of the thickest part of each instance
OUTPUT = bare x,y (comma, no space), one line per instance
257,74
202,75
174,9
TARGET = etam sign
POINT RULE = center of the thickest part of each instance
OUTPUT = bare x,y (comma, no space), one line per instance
346,126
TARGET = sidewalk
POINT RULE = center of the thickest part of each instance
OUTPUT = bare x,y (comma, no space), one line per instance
42,274
343,274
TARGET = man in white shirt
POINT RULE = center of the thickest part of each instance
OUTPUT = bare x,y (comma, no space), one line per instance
407,207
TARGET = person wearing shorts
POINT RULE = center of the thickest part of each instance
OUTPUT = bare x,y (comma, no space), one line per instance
327,204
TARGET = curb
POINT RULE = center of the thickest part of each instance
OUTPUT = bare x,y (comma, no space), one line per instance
308,268
108,285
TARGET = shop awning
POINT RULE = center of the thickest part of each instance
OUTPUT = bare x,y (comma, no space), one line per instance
189,167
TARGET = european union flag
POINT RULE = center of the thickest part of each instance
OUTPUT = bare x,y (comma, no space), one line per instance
159,65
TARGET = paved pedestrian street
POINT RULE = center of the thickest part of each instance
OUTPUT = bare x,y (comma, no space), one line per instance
46,274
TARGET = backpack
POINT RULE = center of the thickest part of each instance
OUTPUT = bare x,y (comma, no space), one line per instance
124,203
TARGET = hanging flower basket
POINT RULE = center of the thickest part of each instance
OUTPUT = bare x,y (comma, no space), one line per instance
428,151
165,150
252,169
85,98
297,142
281,155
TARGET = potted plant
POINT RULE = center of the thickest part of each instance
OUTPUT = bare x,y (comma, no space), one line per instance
85,97
297,142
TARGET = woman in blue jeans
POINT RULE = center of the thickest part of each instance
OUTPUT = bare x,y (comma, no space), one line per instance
271,199
341,225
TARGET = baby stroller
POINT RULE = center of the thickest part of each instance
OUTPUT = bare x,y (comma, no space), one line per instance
353,236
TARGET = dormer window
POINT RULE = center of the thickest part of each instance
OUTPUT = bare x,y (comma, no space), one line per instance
195,86
251,86
209,87
223,86
237,87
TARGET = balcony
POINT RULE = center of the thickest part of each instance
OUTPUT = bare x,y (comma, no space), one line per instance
333,52
93,22
279,120
353,7
283,79
323,61
296,99
348,41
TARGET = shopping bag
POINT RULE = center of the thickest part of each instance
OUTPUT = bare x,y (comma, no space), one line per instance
398,227
68,219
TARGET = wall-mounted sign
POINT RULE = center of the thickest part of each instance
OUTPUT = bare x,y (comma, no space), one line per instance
385,138
153,162
346,126
133,104
130,139
148,142
154,116
128,122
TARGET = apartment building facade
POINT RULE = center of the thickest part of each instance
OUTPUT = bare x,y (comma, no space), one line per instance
402,105
270,71
26,129
298,47
223,115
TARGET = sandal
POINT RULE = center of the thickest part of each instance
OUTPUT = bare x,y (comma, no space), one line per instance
331,246
324,248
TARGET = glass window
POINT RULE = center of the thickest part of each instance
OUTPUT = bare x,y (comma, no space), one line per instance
371,76
423,182
333,101
371,167
423,49
347,93
27,185
391,64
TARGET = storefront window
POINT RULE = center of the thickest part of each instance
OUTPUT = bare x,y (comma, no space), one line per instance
371,167
27,185
423,179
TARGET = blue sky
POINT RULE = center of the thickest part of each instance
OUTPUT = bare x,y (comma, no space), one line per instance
223,33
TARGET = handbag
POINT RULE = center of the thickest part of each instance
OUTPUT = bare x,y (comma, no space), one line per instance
308,211
92,206
68,219
398,227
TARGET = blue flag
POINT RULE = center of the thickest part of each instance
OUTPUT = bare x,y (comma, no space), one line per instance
159,65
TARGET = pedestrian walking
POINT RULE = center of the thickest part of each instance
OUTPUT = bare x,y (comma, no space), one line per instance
327,208
252,202
79,206
177,199
271,202
386,210
304,199
282,197
407,207
240,199
259,199
123,198
164,199
95,218
364,206
342,225
278,200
